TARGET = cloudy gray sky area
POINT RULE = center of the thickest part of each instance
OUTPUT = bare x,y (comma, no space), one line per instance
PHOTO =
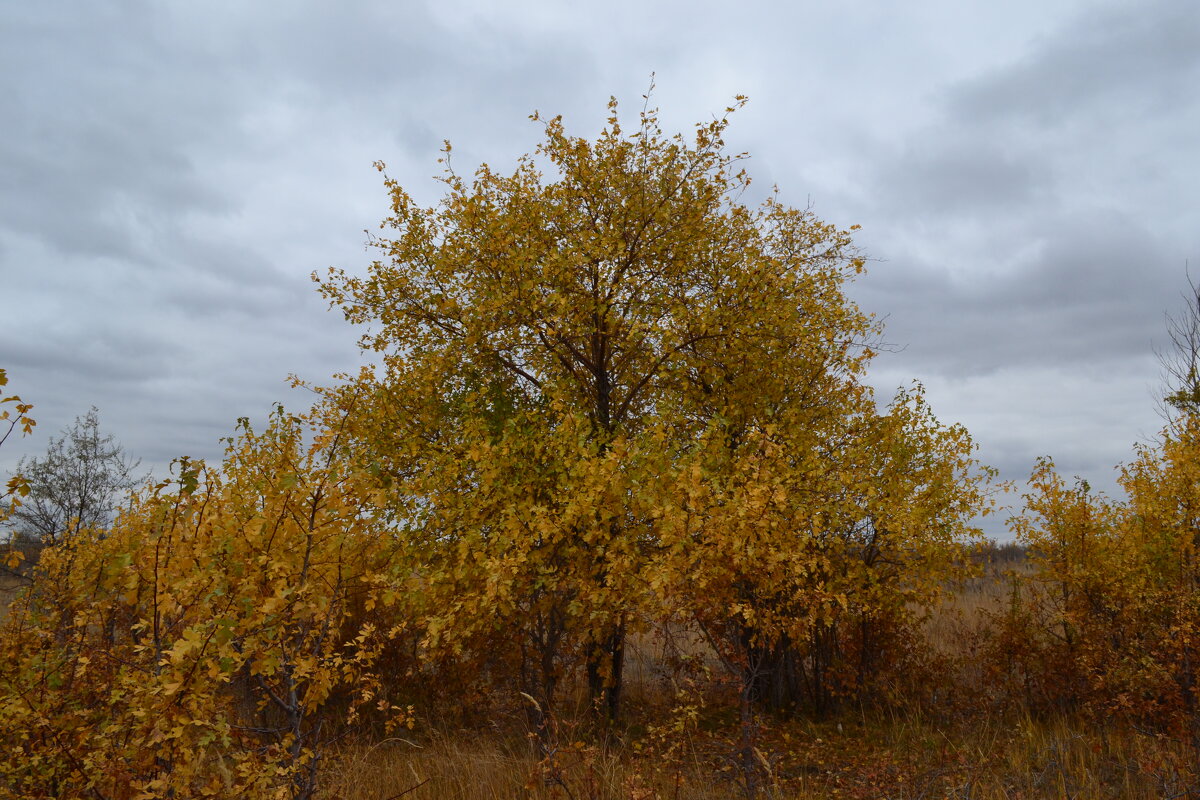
171,173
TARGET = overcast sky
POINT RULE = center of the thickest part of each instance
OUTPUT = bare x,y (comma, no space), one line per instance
171,173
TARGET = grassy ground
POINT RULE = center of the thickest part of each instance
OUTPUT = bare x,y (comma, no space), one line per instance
875,758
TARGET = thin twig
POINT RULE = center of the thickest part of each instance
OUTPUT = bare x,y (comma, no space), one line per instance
411,789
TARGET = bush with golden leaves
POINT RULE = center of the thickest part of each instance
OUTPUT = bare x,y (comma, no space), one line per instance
1110,620
206,645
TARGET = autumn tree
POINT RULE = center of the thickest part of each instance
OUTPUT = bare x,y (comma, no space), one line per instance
1110,620
571,365
1064,617
1163,524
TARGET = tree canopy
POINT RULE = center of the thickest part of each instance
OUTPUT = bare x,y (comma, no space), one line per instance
604,371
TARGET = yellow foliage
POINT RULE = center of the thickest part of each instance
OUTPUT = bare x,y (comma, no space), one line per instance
1111,618
15,412
154,659
617,387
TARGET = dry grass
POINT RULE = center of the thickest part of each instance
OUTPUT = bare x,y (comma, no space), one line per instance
898,758
974,603
969,752
478,766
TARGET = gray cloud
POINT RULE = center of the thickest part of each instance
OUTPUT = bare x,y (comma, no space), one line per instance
1115,63
964,175
1083,291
